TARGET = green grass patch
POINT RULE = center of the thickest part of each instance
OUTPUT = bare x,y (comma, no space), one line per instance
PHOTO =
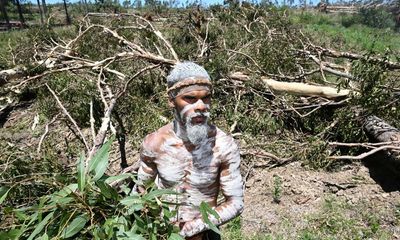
348,32
233,231
354,38
341,220
16,44
8,41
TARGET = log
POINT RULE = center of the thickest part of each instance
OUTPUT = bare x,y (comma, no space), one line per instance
337,8
304,89
373,126
388,135
381,131
388,138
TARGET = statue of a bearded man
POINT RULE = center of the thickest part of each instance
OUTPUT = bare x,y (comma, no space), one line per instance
192,156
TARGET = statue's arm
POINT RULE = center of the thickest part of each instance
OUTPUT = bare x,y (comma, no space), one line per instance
147,167
231,187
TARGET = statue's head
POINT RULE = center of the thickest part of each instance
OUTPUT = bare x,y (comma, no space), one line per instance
189,94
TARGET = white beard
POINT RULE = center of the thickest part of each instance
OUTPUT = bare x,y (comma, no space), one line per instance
197,133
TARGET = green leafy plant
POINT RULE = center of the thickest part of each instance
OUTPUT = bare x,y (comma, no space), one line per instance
90,208
277,190
205,211
376,17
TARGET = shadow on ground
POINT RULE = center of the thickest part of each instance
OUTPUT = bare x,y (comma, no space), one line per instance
384,170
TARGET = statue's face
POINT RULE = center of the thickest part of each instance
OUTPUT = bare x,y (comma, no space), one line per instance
195,104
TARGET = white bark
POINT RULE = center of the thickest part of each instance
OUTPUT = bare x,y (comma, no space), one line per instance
305,89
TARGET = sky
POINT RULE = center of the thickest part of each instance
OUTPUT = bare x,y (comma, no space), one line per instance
180,2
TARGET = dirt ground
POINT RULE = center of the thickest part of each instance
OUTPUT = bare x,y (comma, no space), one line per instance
365,188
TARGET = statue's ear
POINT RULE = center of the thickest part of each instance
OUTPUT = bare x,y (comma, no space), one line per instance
171,102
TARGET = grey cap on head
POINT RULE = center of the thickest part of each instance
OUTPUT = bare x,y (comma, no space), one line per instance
185,70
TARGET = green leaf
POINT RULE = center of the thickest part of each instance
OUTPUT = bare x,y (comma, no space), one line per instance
20,215
205,209
40,226
5,235
11,235
42,201
158,192
209,209
75,226
33,218
134,208
44,237
118,178
134,203
139,221
65,200
98,164
175,236
123,224
107,190
129,236
81,173
131,200
153,236
67,190
3,193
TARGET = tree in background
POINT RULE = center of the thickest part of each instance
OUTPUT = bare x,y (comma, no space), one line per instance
19,8
68,19
3,6
126,3
40,11
232,3
86,6
137,4
44,7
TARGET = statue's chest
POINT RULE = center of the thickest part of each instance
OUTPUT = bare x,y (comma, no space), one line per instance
198,168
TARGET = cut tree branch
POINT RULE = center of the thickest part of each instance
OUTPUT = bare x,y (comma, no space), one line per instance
305,89
69,116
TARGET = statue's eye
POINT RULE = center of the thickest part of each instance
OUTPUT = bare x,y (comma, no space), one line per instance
206,98
189,98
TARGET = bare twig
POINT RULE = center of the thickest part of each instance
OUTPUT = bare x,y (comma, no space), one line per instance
264,154
354,56
313,110
366,145
99,79
69,116
328,69
233,126
249,57
45,133
366,154
204,47
101,135
135,76
92,121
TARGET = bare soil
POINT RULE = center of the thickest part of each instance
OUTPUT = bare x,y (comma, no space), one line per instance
365,188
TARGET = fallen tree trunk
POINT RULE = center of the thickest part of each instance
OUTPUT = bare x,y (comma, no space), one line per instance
305,89
382,132
388,135
344,9
354,56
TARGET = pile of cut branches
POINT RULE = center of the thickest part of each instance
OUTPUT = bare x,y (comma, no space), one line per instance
282,96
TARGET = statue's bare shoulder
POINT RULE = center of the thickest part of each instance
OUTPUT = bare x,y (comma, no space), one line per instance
153,141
